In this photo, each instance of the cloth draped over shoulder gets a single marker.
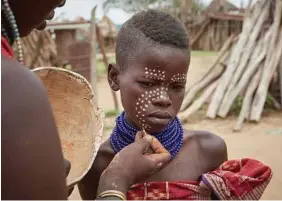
(244, 179)
(6, 49)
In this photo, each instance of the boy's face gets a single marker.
(152, 86)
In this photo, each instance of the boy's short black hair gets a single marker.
(152, 27)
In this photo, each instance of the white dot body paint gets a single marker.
(179, 78)
(146, 98)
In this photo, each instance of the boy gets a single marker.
(152, 60)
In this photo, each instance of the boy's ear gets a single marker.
(113, 74)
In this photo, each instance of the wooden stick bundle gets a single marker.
(251, 64)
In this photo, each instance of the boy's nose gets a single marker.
(162, 100)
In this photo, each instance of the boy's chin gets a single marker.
(157, 125)
(156, 129)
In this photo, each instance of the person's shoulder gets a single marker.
(30, 135)
(212, 146)
(13, 71)
(20, 87)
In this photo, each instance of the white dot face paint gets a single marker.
(179, 78)
(154, 74)
(147, 98)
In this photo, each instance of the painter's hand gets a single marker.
(131, 165)
(139, 135)
(67, 169)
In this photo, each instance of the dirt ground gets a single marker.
(261, 141)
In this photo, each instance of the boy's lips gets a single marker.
(160, 114)
(159, 118)
(158, 121)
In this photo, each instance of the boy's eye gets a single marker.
(147, 84)
(178, 87)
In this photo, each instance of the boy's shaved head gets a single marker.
(153, 58)
(150, 27)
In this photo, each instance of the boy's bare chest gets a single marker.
(188, 165)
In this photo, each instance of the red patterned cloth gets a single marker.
(6, 49)
(244, 179)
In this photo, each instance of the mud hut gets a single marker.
(39, 49)
(109, 32)
(66, 35)
(220, 20)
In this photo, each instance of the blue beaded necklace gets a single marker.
(124, 134)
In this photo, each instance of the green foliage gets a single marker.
(108, 128)
(111, 113)
(202, 53)
(269, 102)
(237, 105)
(101, 69)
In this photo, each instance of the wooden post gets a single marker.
(199, 34)
(247, 102)
(100, 41)
(273, 58)
(209, 76)
(280, 72)
(237, 53)
(93, 52)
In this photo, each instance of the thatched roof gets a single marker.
(107, 27)
(220, 6)
(224, 10)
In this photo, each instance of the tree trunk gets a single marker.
(280, 76)
(259, 54)
(204, 26)
(268, 72)
(198, 103)
(248, 51)
(272, 60)
(247, 102)
(106, 62)
(198, 87)
(208, 77)
(237, 52)
(93, 53)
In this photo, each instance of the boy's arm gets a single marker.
(215, 149)
(89, 184)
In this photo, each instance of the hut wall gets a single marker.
(79, 58)
(39, 49)
(215, 34)
(64, 38)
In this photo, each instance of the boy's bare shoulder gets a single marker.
(205, 137)
(105, 154)
(212, 146)
(103, 158)
(106, 148)
(89, 184)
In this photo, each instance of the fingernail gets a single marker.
(148, 138)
